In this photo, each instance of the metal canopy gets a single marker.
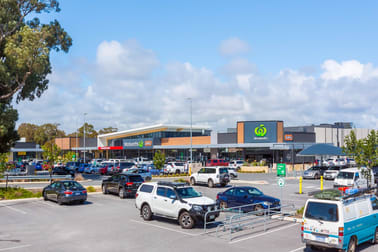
(322, 150)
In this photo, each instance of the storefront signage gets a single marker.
(288, 137)
(138, 143)
(260, 132)
(206, 150)
(111, 148)
(21, 153)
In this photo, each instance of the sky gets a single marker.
(136, 63)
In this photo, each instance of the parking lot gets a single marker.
(108, 223)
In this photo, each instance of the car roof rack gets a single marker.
(172, 184)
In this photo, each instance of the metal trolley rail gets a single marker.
(244, 217)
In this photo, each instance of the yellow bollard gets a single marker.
(321, 183)
(300, 185)
(190, 170)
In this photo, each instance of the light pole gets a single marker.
(76, 143)
(191, 132)
(85, 149)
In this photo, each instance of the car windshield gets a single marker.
(179, 164)
(254, 192)
(345, 175)
(136, 178)
(72, 185)
(223, 170)
(239, 162)
(187, 192)
(126, 165)
(334, 168)
(322, 211)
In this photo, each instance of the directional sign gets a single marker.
(281, 182)
(281, 170)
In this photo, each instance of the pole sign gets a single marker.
(281, 182)
(281, 170)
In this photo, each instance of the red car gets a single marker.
(217, 162)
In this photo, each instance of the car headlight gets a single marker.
(266, 203)
(197, 208)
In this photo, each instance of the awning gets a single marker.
(322, 150)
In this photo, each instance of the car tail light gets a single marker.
(84, 191)
(341, 231)
(129, 183)
(118, 167)
(217, 196)
(136, 195)
(67, 192)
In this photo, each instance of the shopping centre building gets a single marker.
(249, 140)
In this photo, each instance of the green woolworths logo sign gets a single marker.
(140, 144)
(260, 131)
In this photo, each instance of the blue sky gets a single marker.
(219, 52)
(282, 34)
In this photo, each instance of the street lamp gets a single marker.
(85, 149)
(191, 132)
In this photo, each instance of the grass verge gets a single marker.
(18, 193)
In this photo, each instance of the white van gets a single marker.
(341, 223)
(354, 178)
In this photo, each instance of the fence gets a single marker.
(36, 177)
(238, 218)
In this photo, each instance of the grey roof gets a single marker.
(322, 150)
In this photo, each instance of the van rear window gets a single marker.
(146, 188)
(322, 211)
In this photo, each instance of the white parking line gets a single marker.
(265, 233)
(14, 209)
(165, 228)
(298, 249)
(44, 203)
(18, 247)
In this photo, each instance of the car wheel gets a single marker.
(352, 245)
(81, 201)
(223, 205)
(186, 221)
(375, 239)
(104, 189)
(92, 172)
(45, 196)
(146, 212)
(317, 176)
(210, 183)
(177, 171)
(122, 193)
(148, 178)
(259, 209)
(60, 201)
(192, 181)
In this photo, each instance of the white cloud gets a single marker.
(122, 91)
(233, 47)
(351, 69)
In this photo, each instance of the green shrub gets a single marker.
(17, 193)
(300, 211)
(91, 189)
(180, 180)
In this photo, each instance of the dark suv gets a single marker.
(375, 172)
(125, 185)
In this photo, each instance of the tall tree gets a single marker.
(47, 132)
(107, 130)
(89, 131)
(27, 130)
(25, 48)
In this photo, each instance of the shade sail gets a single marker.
(322, 150)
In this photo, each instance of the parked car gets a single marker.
(333, 171)
(350, 162)
(109, 168)
(82, 167)
(150, 168)
(353, 178)
(65, 192)
(93, 168)
(125, 185)
(236, 164)
(174, 201)
(247, 195)
(62, 170)
(375, 173)
(338, 222)
(74, 166)
(211, 176)
(146, 175)
(314, 172)
(233, 173)
(124, 166)
(217, 162)
(174, 168)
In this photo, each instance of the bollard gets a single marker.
(300, 184)
(321, 183)
(190, 170)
